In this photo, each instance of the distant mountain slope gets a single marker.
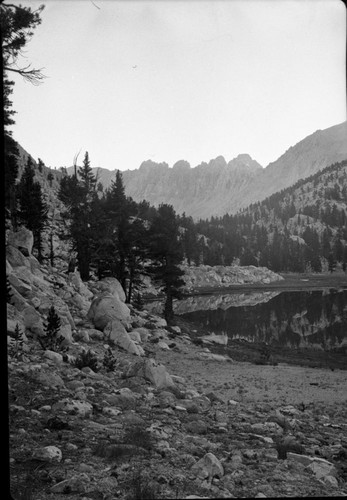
(218, 187)
(318, 150)
(301, 228)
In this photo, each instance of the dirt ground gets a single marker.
(247, 382)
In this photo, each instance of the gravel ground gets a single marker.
(248, 382)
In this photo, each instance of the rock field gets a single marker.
(159, 417)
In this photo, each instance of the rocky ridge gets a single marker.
(142, 424)
(219, 187)
(204, 276)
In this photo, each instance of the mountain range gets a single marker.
(219, 187)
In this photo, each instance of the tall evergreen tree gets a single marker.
(87, 178)
(33, 210)
(11, 156)
(166, 251)
(80, 198)
(119, 210)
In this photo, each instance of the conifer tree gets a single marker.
(87, 178)
(52, 341)
(50, 178)
(123, 235)
(33, 210)
(166, 251)
(9, 294)
(16, 348)
(81, 201)
(11, 156)
(331, 262)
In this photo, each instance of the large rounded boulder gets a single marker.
(112, 286)
(105, 308)
(22, 239)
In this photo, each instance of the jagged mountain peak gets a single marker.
(148, 164)
(217, 187)
(181, 165)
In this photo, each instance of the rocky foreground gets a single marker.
(129, 407)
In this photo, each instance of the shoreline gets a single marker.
(291, 283)
(255, 353)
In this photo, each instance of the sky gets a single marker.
(166, 80)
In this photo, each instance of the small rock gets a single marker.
(208, 467)
(48, 454)
(322, 468)
(85, 468)
(110, 411)
(74, 406)
(76, 484)
(331, 481)
(54, 356)
(46, 408)
(71, 447)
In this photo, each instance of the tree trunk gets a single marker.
(168, 310)
(83, 264)
(130, 288)
(51, 253)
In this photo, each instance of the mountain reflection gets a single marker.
(292, 319)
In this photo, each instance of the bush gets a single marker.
(113, 451)
(141, 487)
(138, 436)
(109, 361)
(283, 446)
(87, 359)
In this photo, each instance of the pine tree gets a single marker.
(138, 302)
(81, 201)
(331, 262)
(166, 251)
(87, 178)
(40, 165)
(16, 348)
(51, 328)
(11, 156)
(9, 293)
(123, 235)
(33, 212)
(50, 178)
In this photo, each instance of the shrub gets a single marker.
(87, 359)
(141, 487)
(283, 446)
(138, 436)
(113, 451)
(109, 361)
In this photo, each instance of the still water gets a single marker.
(302, 319)
(292, 319)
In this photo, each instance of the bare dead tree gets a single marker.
(75, 163)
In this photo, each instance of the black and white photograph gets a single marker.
(175, 233)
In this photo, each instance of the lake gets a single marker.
(291, 319)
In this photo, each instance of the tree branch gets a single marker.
(33, 75)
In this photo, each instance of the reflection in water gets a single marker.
(292, 319)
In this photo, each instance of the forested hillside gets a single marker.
(301, 228)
